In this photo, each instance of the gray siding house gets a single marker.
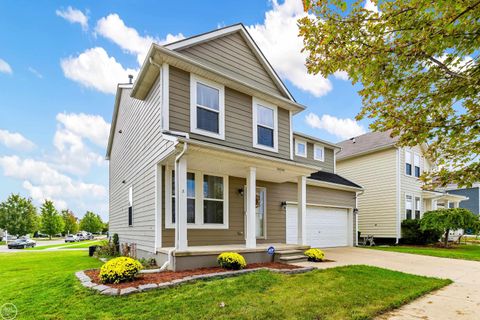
(204, 159)
(473, 195)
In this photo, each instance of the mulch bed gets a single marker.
(167, 276)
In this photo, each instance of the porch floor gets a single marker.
(240, 248)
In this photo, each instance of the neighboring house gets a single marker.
(390, 176)
(2, 234)
(473, 195)
(203, 159)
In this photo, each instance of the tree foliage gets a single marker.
(51, 221)
(18, 215)
(91, 222)
(417, 62)
(449, 219)
(70, 222)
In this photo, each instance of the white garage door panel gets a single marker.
(326, 227)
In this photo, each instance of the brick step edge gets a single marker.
(107, 290)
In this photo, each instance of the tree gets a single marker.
(91, 222)
(18, 215)
(418, 64)
(105, 228)
(51, 220)
(449, 219)
(70, 222)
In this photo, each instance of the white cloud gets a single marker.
(74, 156)
(370, 6)
(35, 72)
(95, 69)
(278, 39)
(342, 128)
(14, 140)
(113, 28)
(74, 16)
(43, 182)
(341, 75)
(5, 67)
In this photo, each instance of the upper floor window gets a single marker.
(319, 153)
(207, 107)
(300, 148)
(408, 163)
(408, 206)
(265, 128)
(416, 165)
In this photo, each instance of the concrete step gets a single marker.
(292, 259)
(289, 252)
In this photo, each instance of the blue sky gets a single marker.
(60, 60)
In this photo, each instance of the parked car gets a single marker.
(90, 236)
(22, 243)
(71, 238)
(81, 236)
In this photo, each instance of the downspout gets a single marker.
(357, 194)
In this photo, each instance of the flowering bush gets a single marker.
(315, 255)
(231, 260)
(119, 270)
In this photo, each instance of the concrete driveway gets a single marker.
(460, 300)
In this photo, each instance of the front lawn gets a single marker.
(465, 252)
(42, 285)
(67, 245)
(84, 244)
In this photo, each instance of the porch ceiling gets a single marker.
(235, 164)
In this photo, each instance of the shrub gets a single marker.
(231, 260)
(315, 255)
(106, 249)
(120, 269)
(413, 234)
(148, 263)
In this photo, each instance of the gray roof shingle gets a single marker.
(364, 143)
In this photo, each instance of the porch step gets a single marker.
(293, 259)
(290, 256)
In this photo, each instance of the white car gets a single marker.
(71, 238)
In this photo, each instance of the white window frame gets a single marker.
(415, 154)
(415, 205)
(130, 204)
(315, 147)
(255, 102)
(199, 224)
(194, 79)
(409, 161)
(304, 142)
(412, 198)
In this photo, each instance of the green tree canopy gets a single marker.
(18, 215)
(91, 222)
(70, 222)
(51, 220)
(417, 62)
(449, 219)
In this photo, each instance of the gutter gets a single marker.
(355, 212)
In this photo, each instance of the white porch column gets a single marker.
(181, 205)
(302, 210)
(251, 240)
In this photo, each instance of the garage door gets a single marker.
(326, 227)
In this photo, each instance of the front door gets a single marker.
(260, 212)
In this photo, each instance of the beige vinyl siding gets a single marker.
(275, 217)
(231, 55)
(326, 165)
(134, 155)
(411, 185)
(377, 173)
(238, 117)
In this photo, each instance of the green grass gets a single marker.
(2, 243)
(68, 245)
(465, 252)
(85, 244)
(42, 285)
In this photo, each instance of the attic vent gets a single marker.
(130, 78)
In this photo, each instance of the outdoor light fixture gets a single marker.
(240, 192)
(120, 131)
(284, 205)
(355, 211)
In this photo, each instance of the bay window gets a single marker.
(207, 107)
(207, 200)
(265, 128)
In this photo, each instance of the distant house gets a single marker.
(473, 195)
(390, 176)
(204, 159)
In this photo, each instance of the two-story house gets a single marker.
(472, 193)
(204, 159)
(390, 176)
